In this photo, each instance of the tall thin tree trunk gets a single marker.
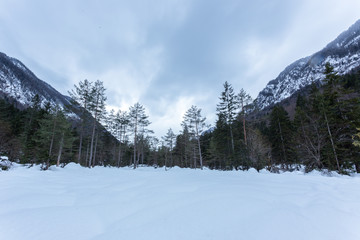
(138, 158)
(96, 141)
(242, 107)
(282, 141)
(198, 140)
(195, 165)
(60, 149)
(232, 139)
(92, 143)
(171, 159)
(51, 144)
(166, 156)
(87, 153)
(135, 143)
(80, 144)
(82, 130)
(200, 155)
(119, 156)
(244, 130)
(142, 153)
(332, 142)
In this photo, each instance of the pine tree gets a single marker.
(82, 96)
(138, 122)
(244, 100)
(196, 124)
(169, 140)
(154, 147)
(97, 109)
(122, 122)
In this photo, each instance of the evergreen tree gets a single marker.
(122, 122)
(310, 135)
(97, 110)
(34, 114)
(154, 147)
(183, 147)
(281, 137)
(196, 124)
(169, 140)
(219, 149)
(226, 109)
(82, 96)
(244, 100)
(340, 108)
(138, 121)
(327, 104)
(54, 137)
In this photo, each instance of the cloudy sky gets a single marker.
(168, 54)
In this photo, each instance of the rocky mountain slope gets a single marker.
(343, 54)
(18, 85)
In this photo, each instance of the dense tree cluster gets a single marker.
(323, 133)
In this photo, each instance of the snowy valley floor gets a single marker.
(109, 203)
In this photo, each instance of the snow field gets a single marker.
(110, 203)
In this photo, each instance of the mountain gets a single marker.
(343, 54)
(18, 85)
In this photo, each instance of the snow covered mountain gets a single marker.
(343, 54)
(18, 85)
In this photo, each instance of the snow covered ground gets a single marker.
(109, 203)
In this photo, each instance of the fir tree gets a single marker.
(227, 110)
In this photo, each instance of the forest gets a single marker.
(322, 133)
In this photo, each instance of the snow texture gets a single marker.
(343, 54)
(110, 203)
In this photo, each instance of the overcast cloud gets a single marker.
(168, 54)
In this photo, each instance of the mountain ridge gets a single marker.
(18, 84)
(343, 54)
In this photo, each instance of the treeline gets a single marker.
(321, 134)
(38, 134)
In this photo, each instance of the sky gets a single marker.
(168, 54)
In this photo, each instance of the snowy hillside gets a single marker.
(109, 203)
(19, 84)
(343, 54)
